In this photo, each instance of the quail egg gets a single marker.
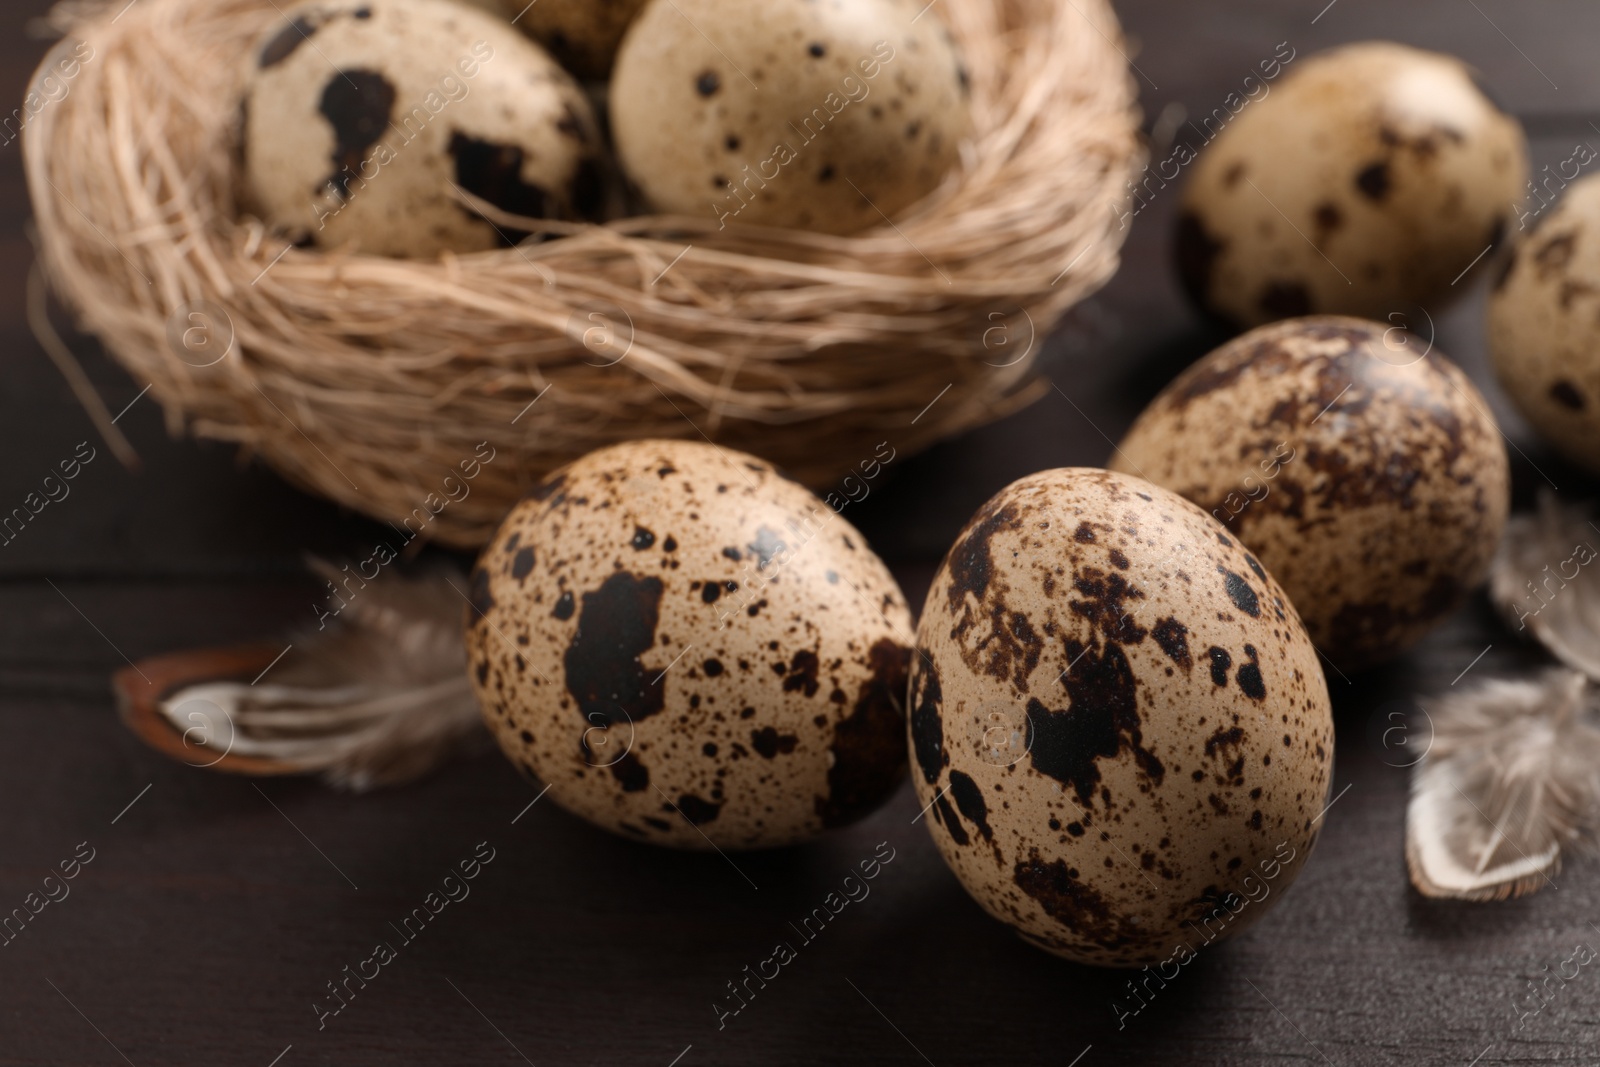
(1357, 462)
(1544, 326)
(362, 115)
(1363, 183)
(691, 649)
(582, 34)
(824, 117)
(1120, 729)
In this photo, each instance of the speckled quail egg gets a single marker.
(1121, 730)
(691, 649)
(360, 115)
(1356, 461)
(1544, 326)
(1364, 182)
(582, 34)
(825, 117)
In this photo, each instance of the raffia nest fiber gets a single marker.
(372, 380)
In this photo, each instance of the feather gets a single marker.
(378, 698)
(1511, 782)
(1542, 583)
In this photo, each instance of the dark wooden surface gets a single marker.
(208, 922)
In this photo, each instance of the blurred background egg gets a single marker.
(1363, 182)
(1358, 463)
(826, 117)
(1544, 326)
(361, 116)
(690, 649)
(582, 35)
(1120, 730)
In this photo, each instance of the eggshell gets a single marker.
(1363, 182)
(690, 649)
(582, 34)
(827, 117)
(360, 115)
(1544, 326)
(1358, 463)
(1121, 732)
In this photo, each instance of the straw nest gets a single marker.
(373, 381)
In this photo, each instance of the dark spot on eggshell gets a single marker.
(802, 673)
(1566, 394)
(869, 749)
(522, 563)
(1220, 662)
(1239, 591)
(1100, 721)
(642, 539)
(565, 606)
(1196, 251)
(1073, 903)
(712, 667)
(707, 83)
(492, 171)
(285, 41)
(633, 775)
(478, 595)
(1249, 676)
(696, 810)
(1221, 739)
(616, 626)
(768, 742)
(1105, 604)
(1328, 217)
(947, 817)
(927, 726)
(969, 801)
(1373, 180)
(1255, 565)
(357, 104)
(1173, 637)
(969, 565)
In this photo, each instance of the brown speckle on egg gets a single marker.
(646, 672)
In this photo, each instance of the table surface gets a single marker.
(216, 909)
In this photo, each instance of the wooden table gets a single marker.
(216, 910)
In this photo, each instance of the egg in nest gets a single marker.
(691, 649)
(362, 117)
(1363, 183)
(820, 116)
(1544, 326)
(1120, 729)
(1358, 463)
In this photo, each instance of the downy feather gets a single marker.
(1511, 782)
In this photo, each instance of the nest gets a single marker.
(381, 383)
